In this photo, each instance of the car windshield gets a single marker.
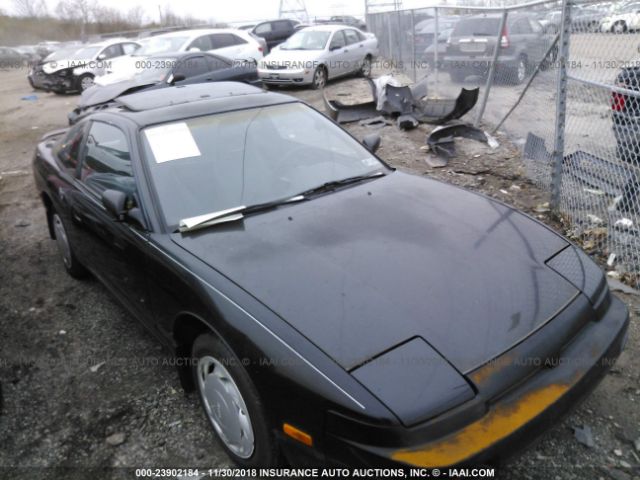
(477, 27)
(87, 52)
(161, 45)
(307, 40)
(221, 161)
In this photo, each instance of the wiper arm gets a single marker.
(231, 214)
(325, 187)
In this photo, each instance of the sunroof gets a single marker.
(165, 97)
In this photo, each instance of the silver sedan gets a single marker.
(317, 54)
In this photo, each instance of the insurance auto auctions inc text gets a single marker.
(351, 473)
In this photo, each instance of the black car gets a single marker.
(167, 70)
(324, 305)
(473, 41)
(625, 105)
(348, 20)
(275, 32)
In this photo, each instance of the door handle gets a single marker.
(361, 46)
(346, 50)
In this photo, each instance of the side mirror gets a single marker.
(176, 78)
(102, 56)
(114, 201)
(334, 47)
(371, 142)
(194, 49)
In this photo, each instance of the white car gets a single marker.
(77, 72)
(233, 44)
(316, 54)
(624, 19)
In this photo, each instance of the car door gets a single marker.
(113, 250)
(266, 31)
(193, 68)
(355, 49)
(338, 54)
(200, 44)
(282, 30)
(229, 45)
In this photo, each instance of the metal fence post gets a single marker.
(561, 105)
(435, 44)
(492, 69)
(413, 44)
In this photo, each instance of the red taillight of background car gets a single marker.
(504, 38)
(618, 101)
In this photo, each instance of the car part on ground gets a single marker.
(336, 380)
(441, 140)
(391, 99)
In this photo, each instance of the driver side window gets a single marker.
(107, 161)
(338, 40)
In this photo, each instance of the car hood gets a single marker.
(366, 268)
(98, 94)
(282, 57)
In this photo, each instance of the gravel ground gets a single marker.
(85, 386)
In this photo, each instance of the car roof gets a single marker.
(169, 104)
(327, 27)
(198, 32)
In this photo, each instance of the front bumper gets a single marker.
(302, 76)
(496, 426)
(59, 83)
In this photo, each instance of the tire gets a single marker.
(619, 27)
(518, 74)
(85, 81)
(221, 380)
(365, 70)
(69, 260)
(457, 76)
(320, 77)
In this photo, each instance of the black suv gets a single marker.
(470, 49)
(275, 31)
(626, 115)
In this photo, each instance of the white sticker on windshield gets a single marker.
(370, 162)
(172, 142)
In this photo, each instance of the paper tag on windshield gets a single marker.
(172, 142)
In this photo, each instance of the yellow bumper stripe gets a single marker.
(496, 425)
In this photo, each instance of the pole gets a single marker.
(492, 69)
(561, 106)
(435, 43)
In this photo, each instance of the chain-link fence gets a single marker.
(562, 78)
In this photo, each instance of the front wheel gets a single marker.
(319, 78)
(232, 405)
(85, 81)
(619, 27)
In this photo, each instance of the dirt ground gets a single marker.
(76, 369)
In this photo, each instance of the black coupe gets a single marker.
(325, 306)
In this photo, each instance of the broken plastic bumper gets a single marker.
(495, 428)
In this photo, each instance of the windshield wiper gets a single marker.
(231, 214)
(326, 187)
(238, 213)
